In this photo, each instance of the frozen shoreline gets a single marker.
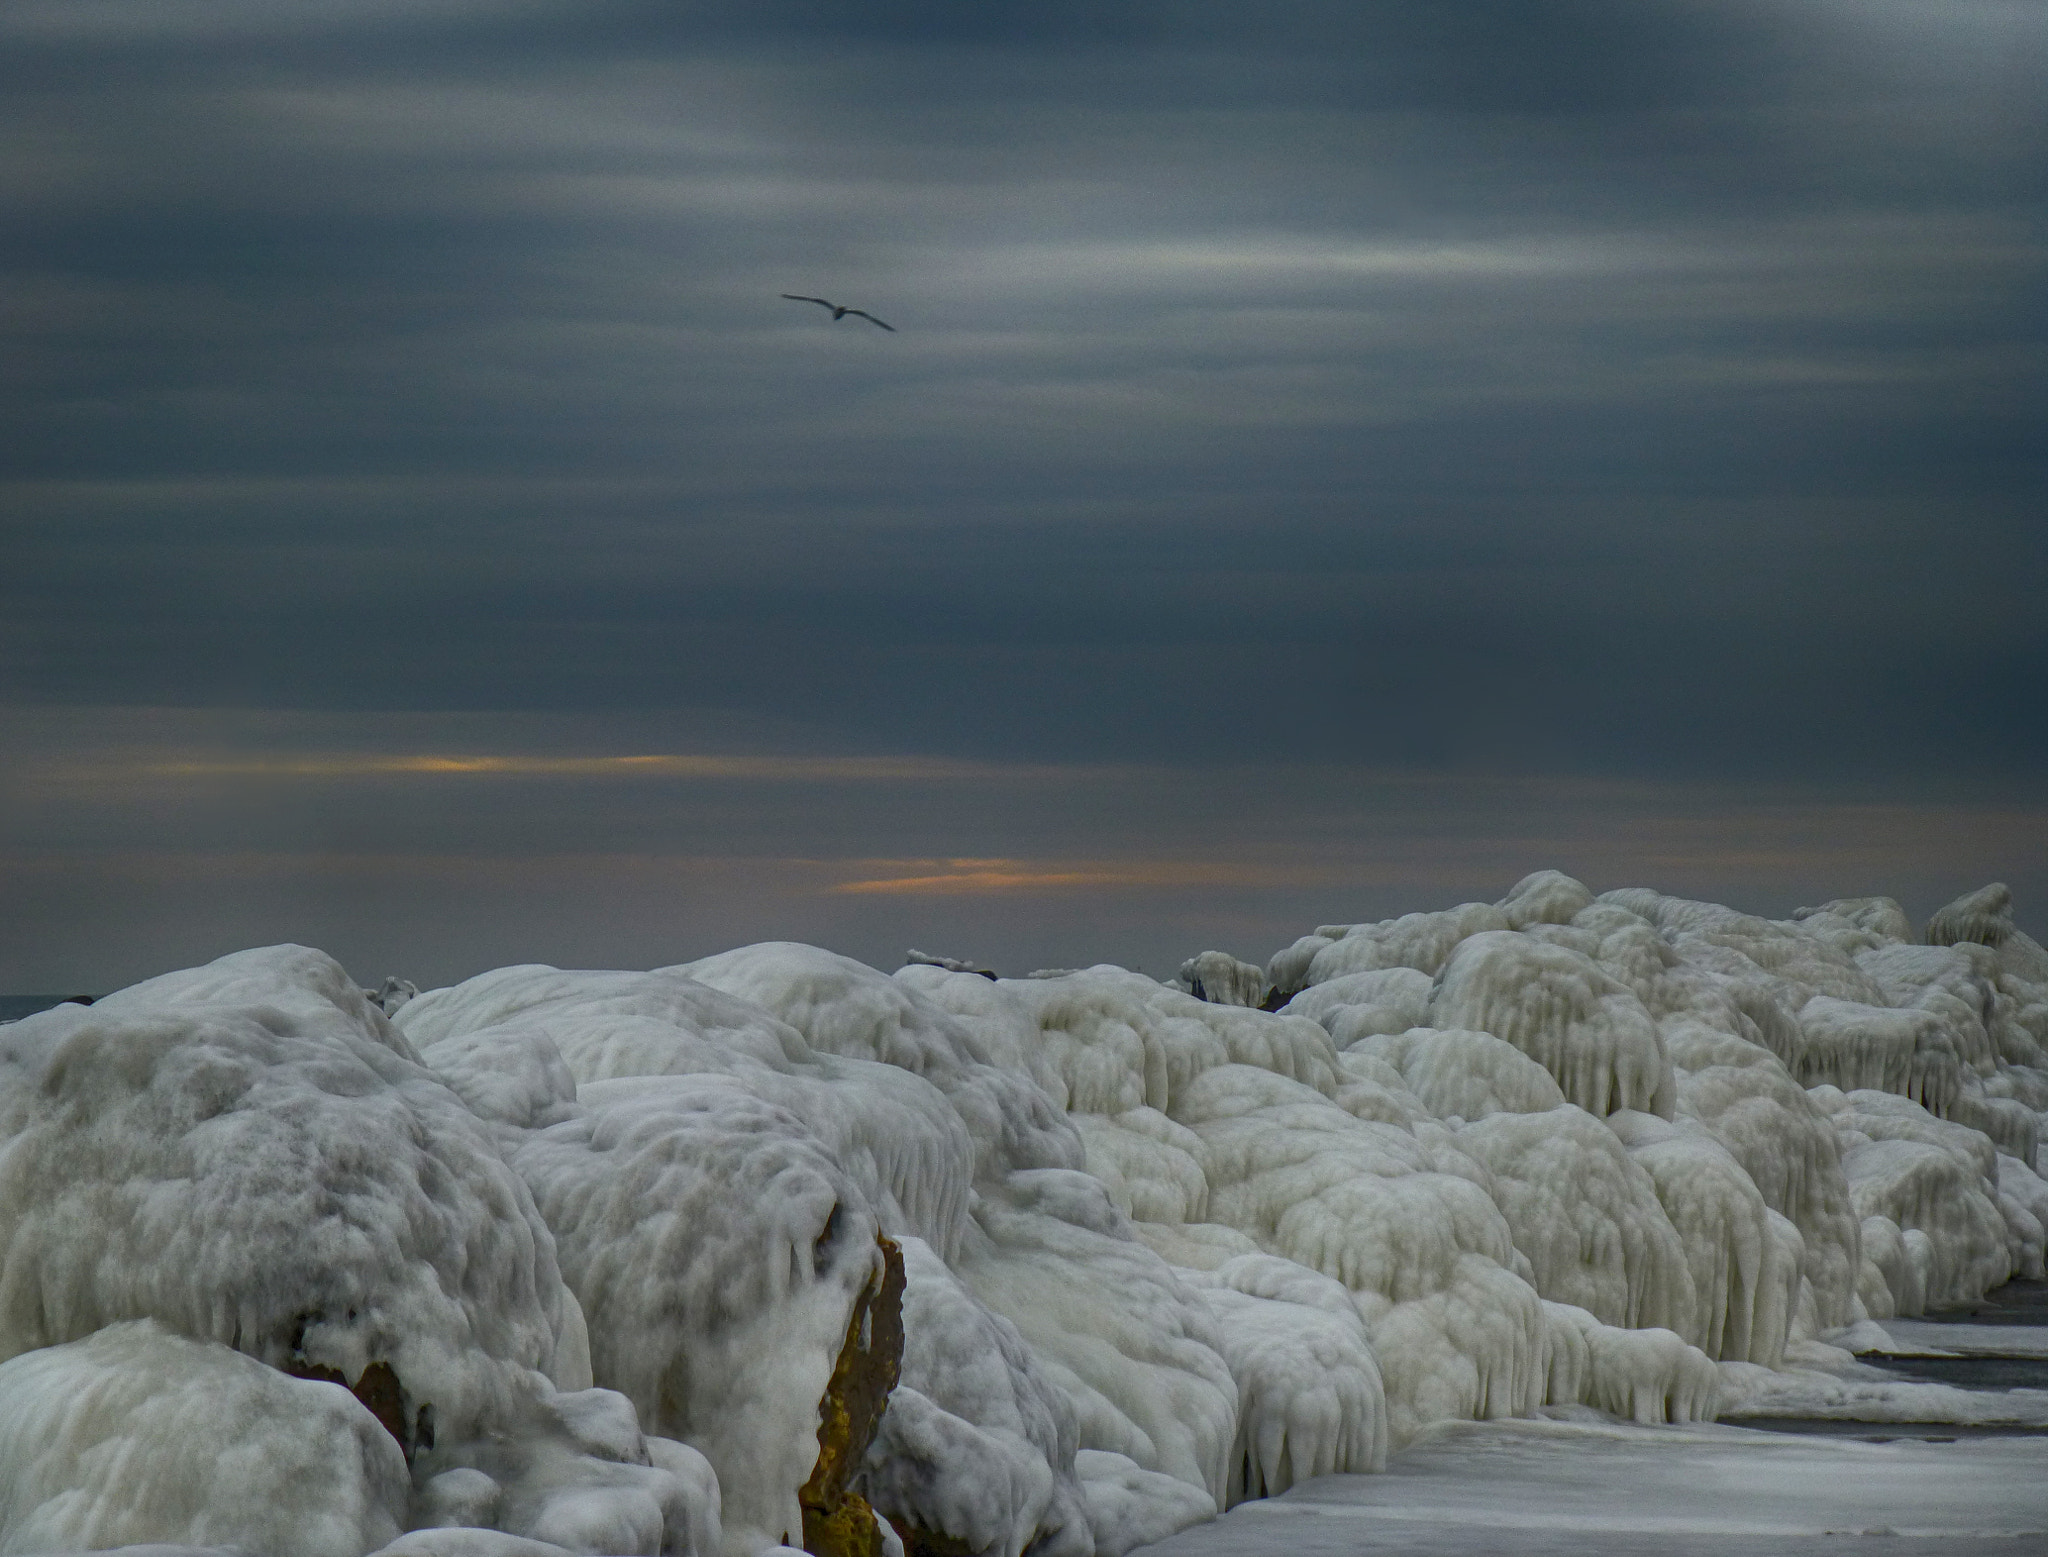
(711, 1258)
(1534, 1489)
(1926, 1487)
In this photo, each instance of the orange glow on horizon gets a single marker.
(960, 877)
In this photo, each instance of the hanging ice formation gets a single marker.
(776, 1248)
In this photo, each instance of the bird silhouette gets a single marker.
(840, 313)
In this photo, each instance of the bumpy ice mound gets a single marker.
(777, 1248)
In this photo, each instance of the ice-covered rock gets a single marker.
(1411, 1228)
(135, 1435)
(1858, 1047)
(1460, 1074)
(2023, 1201)
(1800, 961)
(1310, 1398)
(899, 1138)
(1745, 1258)
(718, 1251)
(511, 1075)
(1218, 976)
(754, 1249)
(1420, 941)
(1587, 1215)
(1648, 1376)
(1544, 897)
(1361, 1005)
(1130, 1506)
(1115, 1040)
(1133, 1348)
(1559, 1007)
(307, 985)
(1985, 918)
(977, 1445)
(578, 1475)
(1927, 1193)
(1154, 1168)
(1741, 1094)
(917, 958)
(1287, 969)
(1858, 923)
(845, 1008)
(280, 1177)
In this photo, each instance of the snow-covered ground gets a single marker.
(1520, 1489)
(707, 1258)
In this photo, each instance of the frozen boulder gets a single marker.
(279, 1177)
(977, 1445)
(135, 1435)
(1565, 1012)
(1801, 961)
(576, 1475)
(1362, 1005)
(1129, 1506)
(1742, 1095)
(1587, 1216)
(1858, 923)
(511, 1075)
(1420, 941)
(1460, 1074)
(1116, 1041)
(1934, 1184)
(846, 1008)
(1287, 969)
(1745, 1258)
(1859, 1047)
(1310, 1398)
(1544, 897)
(893, 1132)
(1108, 1322)
(307, 985)
(719, 1253)
(1219, 977)
(1649, 1376)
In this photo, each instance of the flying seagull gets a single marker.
(840, 313)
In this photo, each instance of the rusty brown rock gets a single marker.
(838, 1521)
(379, 1390)
(383, 1396)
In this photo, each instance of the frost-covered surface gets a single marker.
(111, 1441)
(1568, 1488)
(281, 1177)
(1821, 1397)
(562, 1261)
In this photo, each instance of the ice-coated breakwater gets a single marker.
(777, 1247)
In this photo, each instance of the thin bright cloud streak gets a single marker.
(665, 765)
(977, 877)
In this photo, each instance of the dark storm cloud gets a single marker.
(1603, 388)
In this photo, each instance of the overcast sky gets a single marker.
(1331, 458)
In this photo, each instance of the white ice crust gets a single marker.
(115, 1440)
(1163, 1253)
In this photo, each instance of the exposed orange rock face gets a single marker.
(838, 1521)
(384, 1397)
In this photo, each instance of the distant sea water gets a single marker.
(14, 1007)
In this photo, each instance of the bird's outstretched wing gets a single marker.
(862, 313)
(794, 298)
